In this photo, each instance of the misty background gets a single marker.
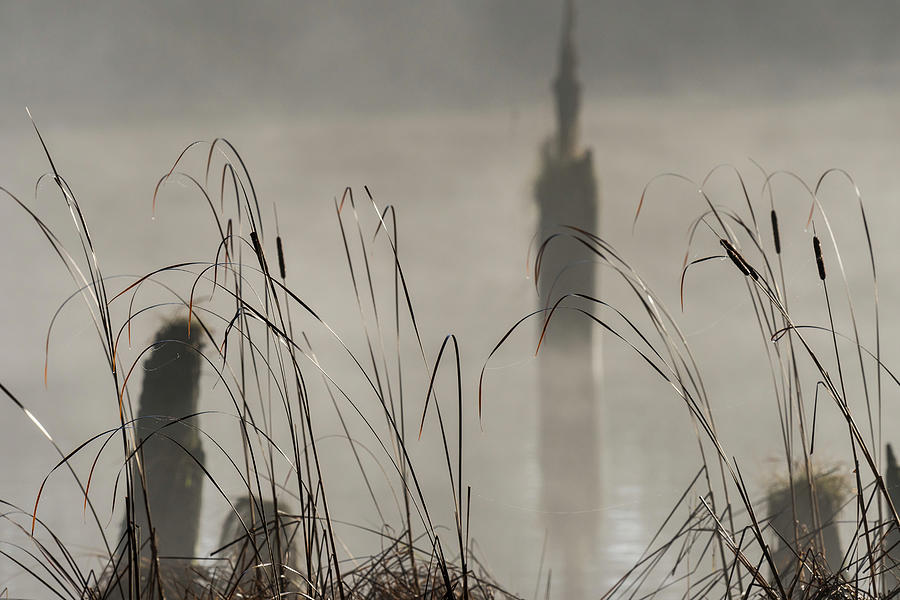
(440, 108)
(102, 62)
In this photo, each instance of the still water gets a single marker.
(462, 186)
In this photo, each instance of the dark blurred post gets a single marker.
(174, 480)
(804, 520)
(566, 193)
(892, 534)
(257, 540)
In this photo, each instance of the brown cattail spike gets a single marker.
(753, 272)
(280, 256)
(257, 247)
(735, 257)
(775, 235)
(817, 248)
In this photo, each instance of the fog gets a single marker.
(103, 62)
(440, 109)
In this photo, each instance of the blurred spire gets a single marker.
(566, 86)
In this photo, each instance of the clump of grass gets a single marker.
(393, 575)
(253, 332)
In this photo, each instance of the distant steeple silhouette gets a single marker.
(566, 189)
(566, 194)
(566, 87)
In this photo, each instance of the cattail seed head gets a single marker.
(280, 256)
(735, 257)
(775, 235)
(256, 245)
(820, 262)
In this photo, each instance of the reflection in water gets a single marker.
(624, 532)
(566, 192)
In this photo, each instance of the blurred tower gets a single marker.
(566, 193)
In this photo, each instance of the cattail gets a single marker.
(280, 256)
(735, 257)
(753, 272)
(775, 234)
(257, 247)
(817, 248)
